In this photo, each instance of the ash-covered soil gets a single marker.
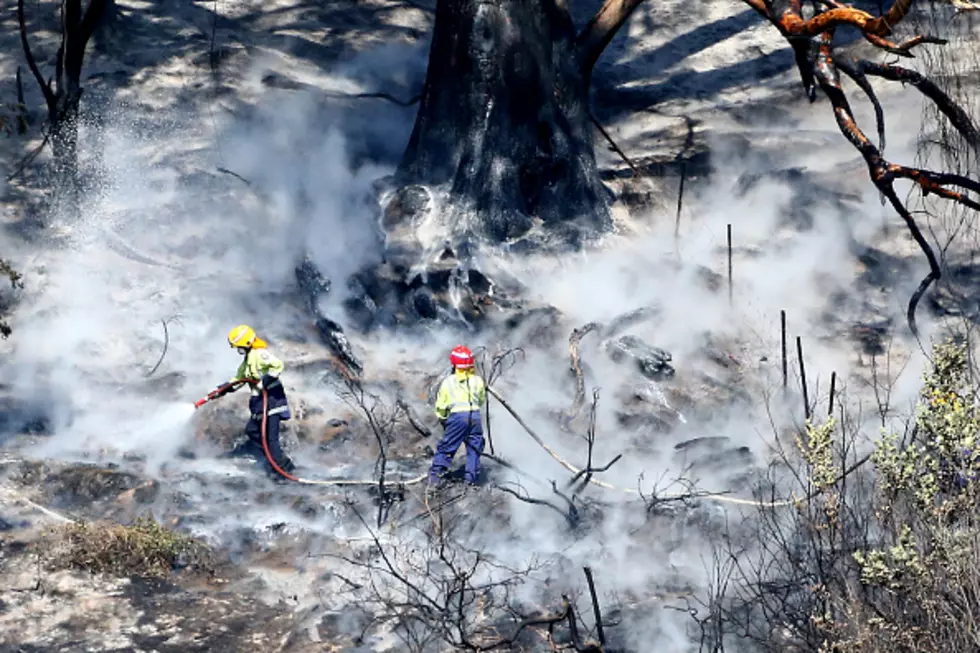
(230, 147)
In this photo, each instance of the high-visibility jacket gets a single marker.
(463, 391)
(261, 365)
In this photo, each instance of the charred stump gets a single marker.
(504, 124)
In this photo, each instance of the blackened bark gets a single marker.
(503, 121)
(63, 100)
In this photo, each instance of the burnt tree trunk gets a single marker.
(64, 98)
(504, 121)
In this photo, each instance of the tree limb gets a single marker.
(91, 19)
(166, 344)
(856, 72)
(234, 174)
(49, 98)
(576, 366)
(595, 605)
(571, 515)
(615, 147)
(599, 31)
(959, 118)
(26, 161)
(379, 96)
(788, 16)
(884, 173)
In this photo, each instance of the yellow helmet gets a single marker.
(241, 336)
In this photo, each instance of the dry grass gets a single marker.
(144, 548)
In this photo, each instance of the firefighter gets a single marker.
(461, 395)
(261, 370)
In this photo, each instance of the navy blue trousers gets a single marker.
(461, 428)
(254, 432)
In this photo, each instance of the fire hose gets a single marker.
(723, 498)
(305, 481)
(264, 426)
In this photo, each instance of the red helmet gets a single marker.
(461, 357)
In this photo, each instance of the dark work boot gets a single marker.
(434, 484)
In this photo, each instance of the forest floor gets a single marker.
(179, 95)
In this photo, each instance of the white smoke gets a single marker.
(168, 235)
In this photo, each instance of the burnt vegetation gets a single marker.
(436, 592)
(504, 125)
(838, 540)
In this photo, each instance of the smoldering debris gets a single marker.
(672, 405)
(313, 285)
(652, 362)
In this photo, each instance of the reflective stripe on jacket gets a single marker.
(461, 392)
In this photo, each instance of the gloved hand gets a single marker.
(223, 389)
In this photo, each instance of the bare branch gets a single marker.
(576, 366)
(788, 18)
(615, 147)
(26, 161)
(166, 344)
(590, 438)
(595, 606)
(234, 174)
(571, 516)
(31, 63)
(379, 96)
(959, 118)
(855, 71)
(90, 20)
(599, 31)
(413, 419)
(884, 173)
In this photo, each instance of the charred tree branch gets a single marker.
(882, 172)
(163, 354)
(381, 95)
(959, 118)
(90, 20)
(26, 161)
(855, 71)
(234, 174)
(595, 606)
(589, 469)
(615, 147)
(49, 97)
(413, 419)
(788, 17)
(576, 367)
(599, 31)
(571, 516)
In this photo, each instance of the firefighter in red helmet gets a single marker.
(461, 396)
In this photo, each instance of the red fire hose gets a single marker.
(268, 454)
(265, 440)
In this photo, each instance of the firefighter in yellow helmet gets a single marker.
(261, 370)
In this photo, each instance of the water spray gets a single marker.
(226, 388)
